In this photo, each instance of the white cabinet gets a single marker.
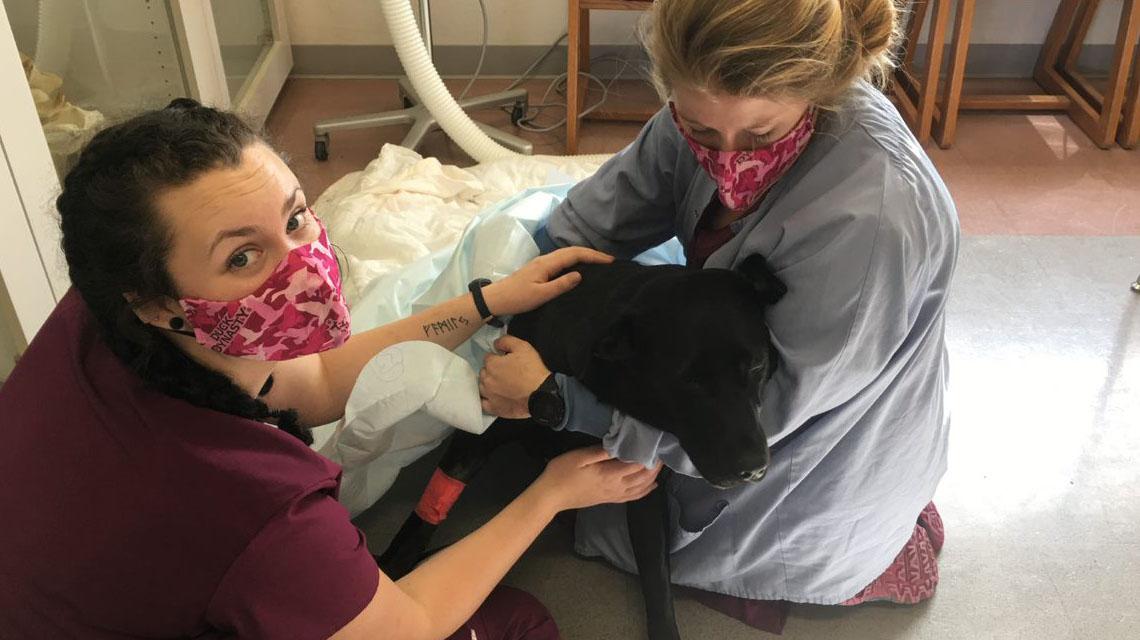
(237, 52)
(67, 66)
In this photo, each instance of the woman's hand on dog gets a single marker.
(538, 281)
(507, 380)
(587, 477)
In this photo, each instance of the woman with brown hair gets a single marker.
(155, 478)
(775, 140)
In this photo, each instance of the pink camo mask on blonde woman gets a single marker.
(743, 177)
(299, 310)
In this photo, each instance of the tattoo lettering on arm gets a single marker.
(445, 326)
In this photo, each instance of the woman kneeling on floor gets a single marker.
(775, 141)
(155, 478)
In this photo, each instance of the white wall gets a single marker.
(522, 22)
(1027, 21)
(512, 22)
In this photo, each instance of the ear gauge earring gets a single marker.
(178, 325)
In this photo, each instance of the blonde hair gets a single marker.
(813, 50)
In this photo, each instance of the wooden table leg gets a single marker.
(574, 46)
(946, 127)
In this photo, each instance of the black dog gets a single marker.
(685, 350)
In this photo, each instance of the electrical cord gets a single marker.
(558, 84)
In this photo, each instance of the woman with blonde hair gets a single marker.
(775, 140)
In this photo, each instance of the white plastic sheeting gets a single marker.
(409, 397)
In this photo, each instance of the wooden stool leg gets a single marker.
(917, 19)
(1054, 42)
(928, 92)
(574, 54)
(1130, 125)
(1100, 122)
(904, 87)
(946, 127)
(584, 57)
(1117, 89)
(1071, 50)
(1130, 131)
(1071, 53)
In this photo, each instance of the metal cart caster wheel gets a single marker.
(321, 149)
(518, 112)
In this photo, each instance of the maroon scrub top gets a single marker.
(125, 513)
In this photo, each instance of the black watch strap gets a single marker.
(476, 289)
(546, 405)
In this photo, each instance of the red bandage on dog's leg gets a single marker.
(441, 493)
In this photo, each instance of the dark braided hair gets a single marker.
(115, 242)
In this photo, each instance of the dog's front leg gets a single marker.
(648, 521)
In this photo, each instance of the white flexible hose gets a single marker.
(429, 86)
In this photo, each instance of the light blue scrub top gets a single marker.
(865, 235)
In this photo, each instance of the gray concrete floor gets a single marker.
(1042, 500)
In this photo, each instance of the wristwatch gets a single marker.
(546, 405)
(476, 289)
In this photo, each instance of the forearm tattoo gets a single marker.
(445, 326)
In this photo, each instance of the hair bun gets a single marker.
(186, 104)
(873, 24)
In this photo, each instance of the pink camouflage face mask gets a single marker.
(743, 177)
(299, 310)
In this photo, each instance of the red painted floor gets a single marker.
(1009, 174)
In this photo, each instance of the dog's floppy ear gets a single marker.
(763, 278)
(616, 342)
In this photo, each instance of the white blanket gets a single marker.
(402, 206)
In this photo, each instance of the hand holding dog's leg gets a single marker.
(587, 477)
(452, 583)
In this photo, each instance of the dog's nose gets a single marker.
(754, 475)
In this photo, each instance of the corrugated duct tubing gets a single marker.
(431, 90)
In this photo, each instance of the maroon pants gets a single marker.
(509, 614)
